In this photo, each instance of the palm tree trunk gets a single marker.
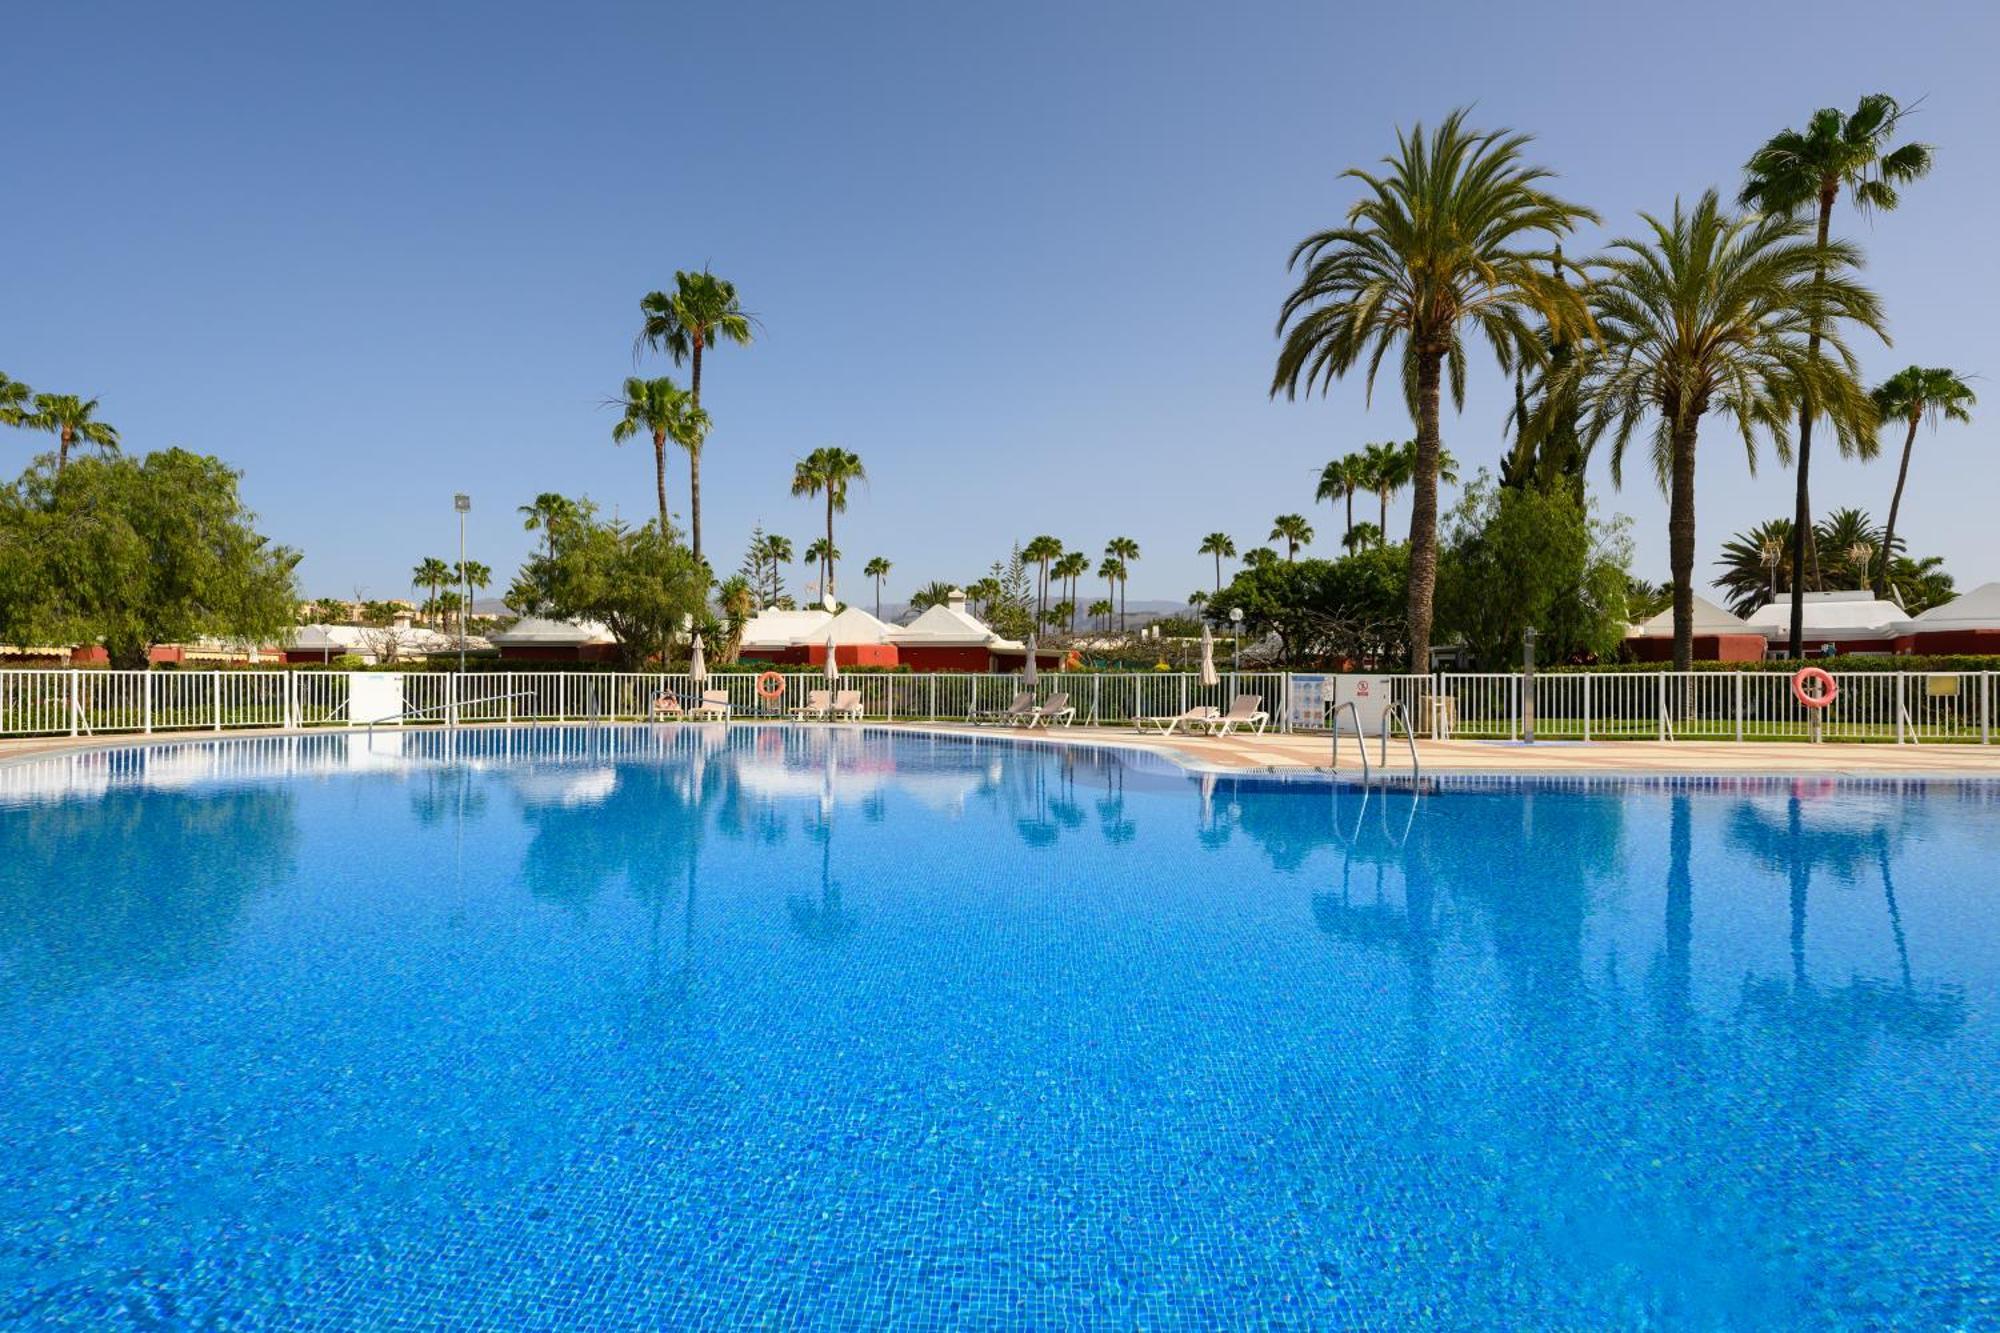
(63, 439)
(826, 588)
(1347, 538)
(1895, 506)
(660, 476)
(694, 457)
(1680, 544)
(1802, 512)
(1423, 510)
(1218, 571)
(1383, 496)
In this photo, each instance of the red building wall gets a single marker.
(1707, 648)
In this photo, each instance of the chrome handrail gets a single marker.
(1396, 710)
(1360, 738)
(448, 706)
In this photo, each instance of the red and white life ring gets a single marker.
(770, 685)
(1829, 688)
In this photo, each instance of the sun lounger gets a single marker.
(1024, 704)
(1166, 726)
(714, 704)
(1050, 710)
(847, 704)
(1246, 710)
(666, 708)
(816, 704)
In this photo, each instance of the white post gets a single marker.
(1986, 708)
(1663, 705)
(508, 686)
(1586, 707)
(451, 690)
(1738, 676)
(75, 710)
(291, 700)
(146, 698)
(216, 676)
(1902, 704)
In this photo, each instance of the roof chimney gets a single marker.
(956, 600)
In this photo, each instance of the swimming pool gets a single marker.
(826, 1027)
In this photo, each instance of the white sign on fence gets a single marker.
(1370, 695)
(1306, 699)
(374, 696)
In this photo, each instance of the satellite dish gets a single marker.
(829, 603)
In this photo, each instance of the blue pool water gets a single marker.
(829, 1028)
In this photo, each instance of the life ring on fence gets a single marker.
(1829, 688)
(770, 685)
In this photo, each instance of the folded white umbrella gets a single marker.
(1028, 671)
(697, 667)
(1208, 672)
(832, 660)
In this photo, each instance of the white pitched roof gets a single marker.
(1708, 619)
(535, 631)
(949, 625)
(773, 628)
(1978, 609)
(1858, 614)
(853, 625)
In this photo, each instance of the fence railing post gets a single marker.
(1738, 677)
(75, 708)
(1986, 708)
(1662, 712)
(1586, 706)
(215, 678)
(291, 700)
(146, 698)
(1902, 704)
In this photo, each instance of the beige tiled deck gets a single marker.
(1248, 752)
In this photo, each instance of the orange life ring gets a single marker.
(1829, 688)
(770, 685)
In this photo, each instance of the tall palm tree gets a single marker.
(1126, 552)
(1071, 567)
(1042, 552)
(699, 313)
(661, 409)
(1361, 536)
(1387, 468)
(828, 471)
(1439, 241)
(777, 554)
(1293, 531)
(72, 420)
(1797, 170)
(432, 574)
(1712, 313)
(1218, 544)
(545, 514)
(1909, 396)
(1100, 611)
(1853, 541)
(877, 568)
(1111, 570)
(1339, 480)
(13, 395)
(473, 576)
(931, 594)
(823, 553)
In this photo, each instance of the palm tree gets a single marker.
(1125, 551)
(1388, 468)
(1800, 169)
(431, 573)
(877, 568)
(548, 511)
(930, 595)
(1711, 313)
(473, 576)
(72, 420)
(1100, 611)
(1437, 242)
(1855, 541)
(1911, 395)
(737, 596)
(1339, 480)
(700, 312)
(1218, 544)
(1042, 551)
(828, 471)
(1755, 565)
(822, 553)
(665, 411)
(1111, 570)
(1293, 531)
(1071, 567)
(13, 394)
(1361, 536)
(1259, 556)
(777, 554)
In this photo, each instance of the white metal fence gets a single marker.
(1903, 707)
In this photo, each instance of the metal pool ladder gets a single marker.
(1396, 712)
(1360, 738)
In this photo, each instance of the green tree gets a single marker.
(1920, 584)
(1362, 536)
(431, 574)
(661, 409)
(1797, 170)
(1111, 570)
(1852, 547)
(930, 595)
(822, 554)
(700, 312)
(1516, 559)
(1293, 531)
(877, 568)
(1218, 544)
(828, 471)
(1042, 552)
(737, 596)
(1339, 480)
(1756, 565)
(14, 396)
(474, 576)
(1101, 611)
(1708, 313)
(1438, 242)
(1259, 556)
(136, 552)
(777, 554)
(72, 420)
(1910, 396)
(1125, 552)
(543, 515)
(1331, 612)
(1072, 568)
(638, 583)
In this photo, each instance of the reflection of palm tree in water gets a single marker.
(825, 920)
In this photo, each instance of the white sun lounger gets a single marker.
(714, 704)
(1166, 726)
(816, 704)
(1055, 707)
(847, 704)
(1246, 710)
(666, 708)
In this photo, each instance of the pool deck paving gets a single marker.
(1245, 751)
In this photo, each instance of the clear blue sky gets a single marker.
(1024, 259)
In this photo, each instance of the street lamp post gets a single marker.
(1236, 635)
(462, 503)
